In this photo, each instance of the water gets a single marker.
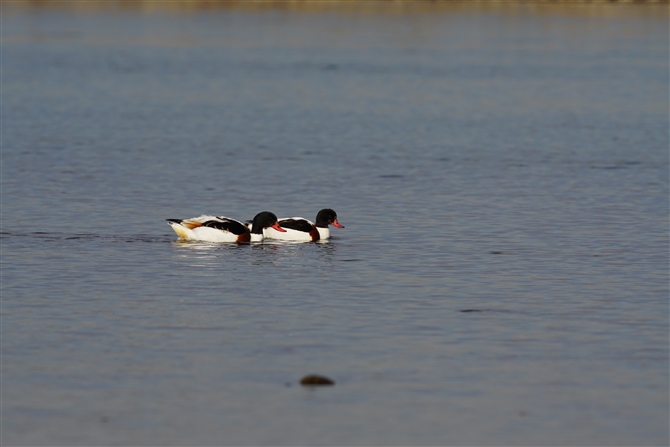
(502, 173)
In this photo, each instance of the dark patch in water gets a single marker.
(87, 237)
(496, 252)
(618, 165)
(392, 176)
(608, 167)
(316, 380)
(350, 260)
(484, 310)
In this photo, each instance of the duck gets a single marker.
(224, 229)
(301, 229)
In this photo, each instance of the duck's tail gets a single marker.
(178, 228)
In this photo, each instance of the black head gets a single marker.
(264, 219)
(327, 217)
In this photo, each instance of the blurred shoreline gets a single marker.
(569, 7)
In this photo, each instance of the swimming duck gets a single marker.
(223, 229)
(301, 229)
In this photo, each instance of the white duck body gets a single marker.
(324, 233)
(223, 229)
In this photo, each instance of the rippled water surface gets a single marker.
(502, 174)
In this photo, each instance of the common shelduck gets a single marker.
(223, 229)
(301, 229)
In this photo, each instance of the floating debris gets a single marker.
(486, 310)
(314, 380)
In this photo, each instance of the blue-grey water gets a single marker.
(502, 173)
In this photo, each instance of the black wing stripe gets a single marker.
(298, 225)
(226, 225)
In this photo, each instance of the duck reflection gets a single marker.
(289, 254)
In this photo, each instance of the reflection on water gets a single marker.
(201, 245)
(290, 254)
